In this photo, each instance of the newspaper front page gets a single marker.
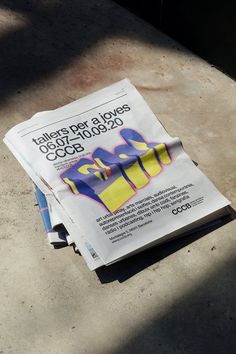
(114, 174)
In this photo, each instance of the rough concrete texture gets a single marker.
(177, 298)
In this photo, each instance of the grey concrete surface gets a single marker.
(177, 298)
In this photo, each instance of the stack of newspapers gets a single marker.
(108, 177)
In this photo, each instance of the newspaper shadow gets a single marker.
(127, 268)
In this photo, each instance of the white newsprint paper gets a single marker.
(117, 180)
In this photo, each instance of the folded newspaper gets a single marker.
(112, 175)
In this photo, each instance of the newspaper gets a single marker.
(116, 179)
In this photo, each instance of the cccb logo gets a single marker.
(181, 209)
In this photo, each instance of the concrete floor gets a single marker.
(177, 298)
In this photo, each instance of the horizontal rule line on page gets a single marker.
(20, 131)
(32, 131)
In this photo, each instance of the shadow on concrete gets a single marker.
(205, 27)
(127, 268)
(203, 321)
(55, 33)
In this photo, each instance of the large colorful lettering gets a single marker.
(113, 178)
